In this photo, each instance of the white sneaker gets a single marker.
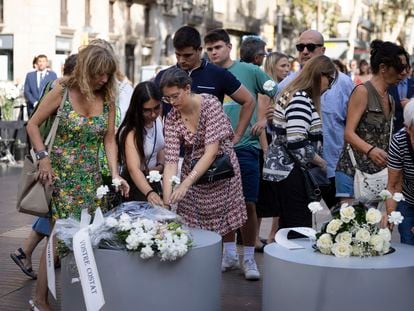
(250, 270)
(229, 263)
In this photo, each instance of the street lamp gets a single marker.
(279, 19)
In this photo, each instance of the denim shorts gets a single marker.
(248, 157)
(42, 226)
(407, 210)
(344, 185)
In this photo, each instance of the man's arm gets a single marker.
(243, 97)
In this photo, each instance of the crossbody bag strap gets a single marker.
(52, 134)
(351, 155)
(153, 146)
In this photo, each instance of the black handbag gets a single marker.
(220, 169)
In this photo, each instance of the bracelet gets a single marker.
(372, 148)
(148, 193)
(193, 174)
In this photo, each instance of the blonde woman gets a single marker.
(297, 138)
(277, 67)
(87, 119)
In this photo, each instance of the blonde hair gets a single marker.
(270, 63)
(92, 62)
(309, 79)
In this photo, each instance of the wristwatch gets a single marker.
(41, 154)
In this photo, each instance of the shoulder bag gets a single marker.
(221, 168)
(32, 196)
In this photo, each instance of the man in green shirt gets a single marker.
(218, 46)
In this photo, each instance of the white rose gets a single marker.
(154, 176)
(385, 194)
(362, 235)
(395, 218)
(116, 182)
(377, 242)
(325, 251)
(269, 85)
(385, 234)
(398, 197)
(373, 216)
(344, 237)
(111, 222)
(315, 207)
(347, 213)
(341, 250)
(324, 241)
(334, 226)
(356, 250)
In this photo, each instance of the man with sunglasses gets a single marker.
(334, 104)
(208, 78)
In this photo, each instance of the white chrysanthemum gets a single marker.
(395, 218)
(132, 241)
(398, 197)
(147, 252)
(116, 182)
(111, 222)
(385, 194)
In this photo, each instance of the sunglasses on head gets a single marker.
(310, 47)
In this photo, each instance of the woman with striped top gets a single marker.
(297, 138)
(401, 174)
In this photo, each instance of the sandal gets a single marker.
(33, 306)
(18, 260)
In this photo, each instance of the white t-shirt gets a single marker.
(155, 133)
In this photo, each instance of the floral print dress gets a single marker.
(75, 161)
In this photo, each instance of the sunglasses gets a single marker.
(310, 47)
(331, 79)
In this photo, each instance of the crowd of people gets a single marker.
(269, 125)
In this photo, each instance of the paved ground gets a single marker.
(16, 289)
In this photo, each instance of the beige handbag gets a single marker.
(33, 197)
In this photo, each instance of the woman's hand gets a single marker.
(154, 199)
(178, 193)
(258, 128)
(124, 187)
(378, 156)
(45, 174)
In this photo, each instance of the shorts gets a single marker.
(344, 185)
(42, 226)
(248, 158)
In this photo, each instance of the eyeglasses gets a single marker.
(171, 99)
(310, 47)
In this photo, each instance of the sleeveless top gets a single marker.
(374, 128)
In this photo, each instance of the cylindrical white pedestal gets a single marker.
(190, 283)
(307, 280)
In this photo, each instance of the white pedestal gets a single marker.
(307, 280)
(190, 283)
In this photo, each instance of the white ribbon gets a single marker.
(282, 240)
(50, 265)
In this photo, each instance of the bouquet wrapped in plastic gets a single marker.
(133, 226)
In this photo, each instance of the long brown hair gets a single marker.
(309, 79)
(92, 62)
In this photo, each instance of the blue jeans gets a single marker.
(407, 210)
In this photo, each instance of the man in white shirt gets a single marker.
(36, 81)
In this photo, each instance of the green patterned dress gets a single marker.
(75, 162)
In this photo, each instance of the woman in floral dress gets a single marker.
(198, 122)
(87, 118)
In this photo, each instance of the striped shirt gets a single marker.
(401, 157)
(297, 126)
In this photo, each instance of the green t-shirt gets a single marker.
(257, 82)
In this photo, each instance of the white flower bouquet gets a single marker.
(354, 231)
(8, 94)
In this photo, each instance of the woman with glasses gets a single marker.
(141, 143)
(198, 122)
(369, 118)
(297, 140)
